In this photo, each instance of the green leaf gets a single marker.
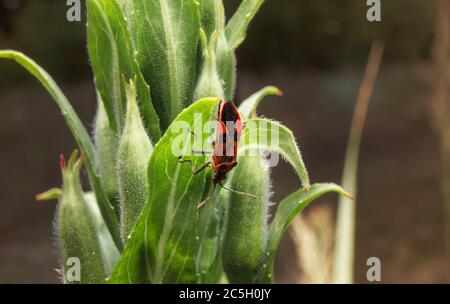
(212, 230)
(111, 53)
(238, 24)
(134, 153)
(166, 40)
(79, 132)
(163, 245)
(212, 16)
(287, 209)
(103, 53)
(110, 253)
(248, 107)
(272, 136)
(51, 194)
(127, 7)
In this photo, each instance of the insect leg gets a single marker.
(237, 192)
(207, 199)
(195, 171)
(208, 164)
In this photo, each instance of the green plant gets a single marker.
(151, 59)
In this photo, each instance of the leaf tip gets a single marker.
(52, 194)
(306, 185)
(350, 196)
(80, 161)
(40, 197)
(73, 159)
(62, 162)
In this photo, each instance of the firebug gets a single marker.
(225, 146)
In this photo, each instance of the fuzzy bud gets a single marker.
(134, 152)
(246, 236)
(75, 226)
(106, 143)
(209, 84)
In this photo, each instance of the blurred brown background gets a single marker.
(315, 51)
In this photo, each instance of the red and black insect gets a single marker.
(225, 146)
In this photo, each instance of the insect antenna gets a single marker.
(237, 192)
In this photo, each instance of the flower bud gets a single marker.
(106, 143)
(209, 84)
(75, 227)
(133, 155)
(245, 240)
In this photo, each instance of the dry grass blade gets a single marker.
(345, 230)
(439, 103)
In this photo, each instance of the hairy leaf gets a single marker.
(166, 39)
(212, 16)
(79, 132)
(269, 135)
(287, 209)
(212, 224)
(248, 107)
(238, 24)
(163, 245)
(110, 253)
(127, 7)
(111, 53)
